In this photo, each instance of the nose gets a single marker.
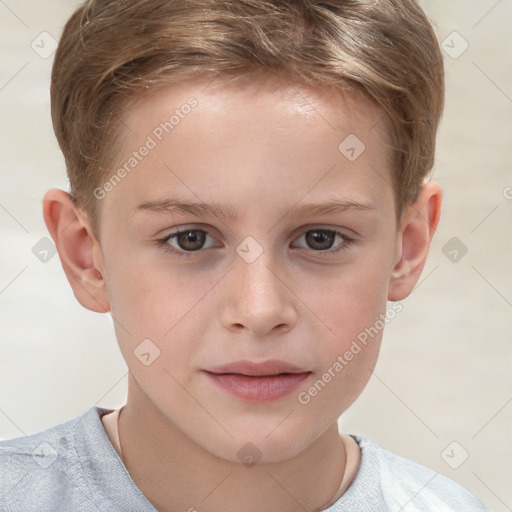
(259, 298)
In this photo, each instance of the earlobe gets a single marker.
(418, 227)
(77, 247)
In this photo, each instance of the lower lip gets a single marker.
(258, 389)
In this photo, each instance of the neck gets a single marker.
(175, 473)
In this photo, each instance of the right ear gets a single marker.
(79, 251)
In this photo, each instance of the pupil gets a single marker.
(325, 238)
(191, 241)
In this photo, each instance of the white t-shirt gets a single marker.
(74, 467)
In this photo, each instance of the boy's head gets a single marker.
(262, 114)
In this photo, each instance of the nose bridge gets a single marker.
(259, 277)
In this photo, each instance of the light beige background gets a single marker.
(445, 369)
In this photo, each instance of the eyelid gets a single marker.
(299, 231)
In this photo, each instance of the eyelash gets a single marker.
(343, 246)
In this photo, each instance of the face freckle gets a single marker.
(251, 170)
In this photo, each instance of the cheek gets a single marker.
(353, 310)
(350, 300)
(163, 304)
(147, 295)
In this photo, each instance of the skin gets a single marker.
(263, 149)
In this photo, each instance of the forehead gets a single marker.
(238, 98)
(207, 140)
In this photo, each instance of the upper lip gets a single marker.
(252, 368)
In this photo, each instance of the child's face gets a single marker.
(261, 155)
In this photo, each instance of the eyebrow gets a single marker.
(223, 211)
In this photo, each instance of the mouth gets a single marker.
(258, 382)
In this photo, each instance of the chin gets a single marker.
(251, 445)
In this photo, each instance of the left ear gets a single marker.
(419, 223)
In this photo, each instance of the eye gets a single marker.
(185, 241)
(322, 240)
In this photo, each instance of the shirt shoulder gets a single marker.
(71, 466)
(36, 470)
(389, 482)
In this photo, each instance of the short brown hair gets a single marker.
(113, 51)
